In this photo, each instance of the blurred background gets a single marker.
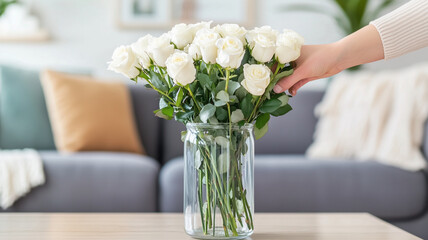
(82, 34)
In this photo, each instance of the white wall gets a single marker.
(84, 34)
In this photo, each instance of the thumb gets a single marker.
(285, 83)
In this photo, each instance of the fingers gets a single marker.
(298, 85)
(285, 83)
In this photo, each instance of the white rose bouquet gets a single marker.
(223, 74)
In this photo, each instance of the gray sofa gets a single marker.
(285, 181)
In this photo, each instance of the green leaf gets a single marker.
(206, 112)
(283, 75)
(165, 113)
(174, 88)
(223, 96)
(233, 86)
(183, 135)
(143, 75)
(260, 132)
(179, 97)
(284, 99)
(282, 110)
(221, 114)
(241, 93)
(220, 86)
(262, 120)
(184, 117)
(219, 103)
(155, 79)
(247, 105)
(168, 111)
(163, 103)
(205, 81)
(237, 116)
(270, 106)
(213, 120)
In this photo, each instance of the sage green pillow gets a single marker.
(24, 121)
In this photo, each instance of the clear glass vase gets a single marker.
(219, 181)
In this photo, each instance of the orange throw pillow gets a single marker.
(90, 115)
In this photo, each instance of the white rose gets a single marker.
(194, 51)
(232, 30)
(160, 49)
(206, 40)
(288, 47)
(140, 49)
(230, 52)
(181, 35)
(262, 41)
(201, 25)
(256, 78)
(125, 62)
(180, 68)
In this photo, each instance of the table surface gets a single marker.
(289, 226)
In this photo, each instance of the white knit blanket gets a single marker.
(377, 116)
(20, 170)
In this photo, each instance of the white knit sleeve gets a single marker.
(405, 29)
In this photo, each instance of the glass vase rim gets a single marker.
(235, 126)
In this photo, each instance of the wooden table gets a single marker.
(34, 226)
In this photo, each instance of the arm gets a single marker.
(399, 32)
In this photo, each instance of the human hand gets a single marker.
(315, 62)
(321, 61)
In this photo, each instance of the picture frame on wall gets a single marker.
(163, 14)
(150, 14)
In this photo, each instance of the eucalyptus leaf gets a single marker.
(213, 120)
(219, 103)
(222, 141)
(205, 81)
(221, 114)
(237, 116)
(220, 86)
(206, 112)
(233, 86)
(223, 96)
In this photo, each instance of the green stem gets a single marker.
(200, 200)
(193, 97)
(227, 79)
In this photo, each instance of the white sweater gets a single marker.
(405, 29)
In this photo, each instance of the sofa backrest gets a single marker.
(145, 101)
(289, 134)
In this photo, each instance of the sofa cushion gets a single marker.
(94, 182)
(295, 184)
(89, 114)
(24, 121)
